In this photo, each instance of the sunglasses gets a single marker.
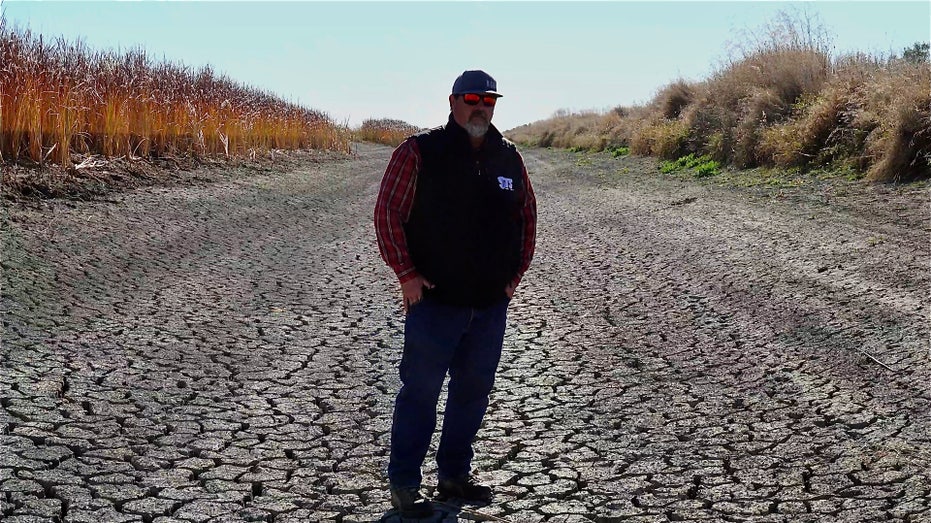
(474, 99)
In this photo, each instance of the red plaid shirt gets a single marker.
(396, 199)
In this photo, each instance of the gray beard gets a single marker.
(476, 130)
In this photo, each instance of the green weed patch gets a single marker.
(701, 166)
(619, 151)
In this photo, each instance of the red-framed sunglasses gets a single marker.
(474, 99)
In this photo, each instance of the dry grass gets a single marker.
(673, 98)
(59, 99)
(896, 106)
(384, 131)
(781, 101)
(586, 130)
(663, 138)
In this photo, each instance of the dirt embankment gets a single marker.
(680, 351)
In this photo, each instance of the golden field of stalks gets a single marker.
(384, 131)
(783, 102)
(60, 101)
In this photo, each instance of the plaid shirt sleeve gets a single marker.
(528, 215)
(393, 208)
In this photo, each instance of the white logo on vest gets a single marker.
(506, 183)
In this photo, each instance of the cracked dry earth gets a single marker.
(679, 351)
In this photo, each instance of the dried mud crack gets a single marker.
(679, 352)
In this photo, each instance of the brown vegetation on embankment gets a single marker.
(783, 102)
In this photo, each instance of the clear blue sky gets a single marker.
(356, 60)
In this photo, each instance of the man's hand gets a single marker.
(413, 291)
(509, 290)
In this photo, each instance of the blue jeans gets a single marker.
(438, 338)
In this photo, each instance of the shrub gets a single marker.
(917, 53)
(664, 138)
(781, 145)
(673, 98)
(716, 146)
(589, 141)
(901, 142)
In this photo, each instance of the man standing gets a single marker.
(456, 221)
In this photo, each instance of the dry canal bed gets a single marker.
(679, 351)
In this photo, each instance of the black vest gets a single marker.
(464, 231)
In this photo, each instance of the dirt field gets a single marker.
(226, 350)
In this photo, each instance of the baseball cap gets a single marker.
(475, 82)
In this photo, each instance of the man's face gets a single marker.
(475, 119)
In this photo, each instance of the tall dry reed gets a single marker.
(59, 98)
